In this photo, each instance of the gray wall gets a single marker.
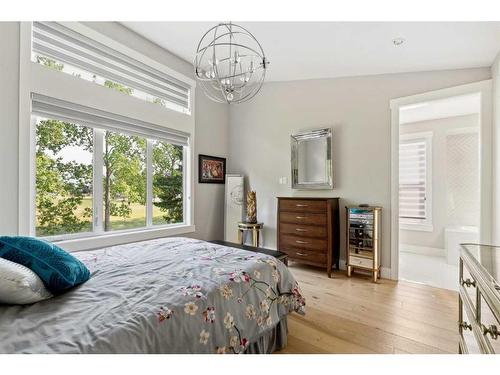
(358, 110)
(440, 214)
(211, 133)
(9, 121)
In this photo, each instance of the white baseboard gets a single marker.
(385, 272)
(422, 250)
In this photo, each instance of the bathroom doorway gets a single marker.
(441, 192)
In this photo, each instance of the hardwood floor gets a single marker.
(353, 315)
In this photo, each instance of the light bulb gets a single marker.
(229, 96)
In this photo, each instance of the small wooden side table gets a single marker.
(254, 227)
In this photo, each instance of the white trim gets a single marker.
(32, 177)
(149, 183)
(97, 188)
(121, 237)
(427, 224)
(485, 131)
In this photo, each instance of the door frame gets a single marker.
(484, 88)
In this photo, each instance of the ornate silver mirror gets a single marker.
(312, 159)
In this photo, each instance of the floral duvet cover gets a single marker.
(173, 295)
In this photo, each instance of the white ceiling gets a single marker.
(442, 108)
(305, 50)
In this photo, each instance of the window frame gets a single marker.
(36, 79)
(427, 224)
(98, 194)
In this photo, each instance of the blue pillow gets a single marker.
(58, 269)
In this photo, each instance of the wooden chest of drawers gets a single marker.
(308, 230)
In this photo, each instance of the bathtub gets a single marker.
(454, 236)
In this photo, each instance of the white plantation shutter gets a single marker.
(413, 158)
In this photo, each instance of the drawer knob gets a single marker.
(301, 205)
(301, 254)
(491, 330)
(468, 283)
(301, 242)
(465, 325)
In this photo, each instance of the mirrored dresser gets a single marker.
(479, 299)
(363, 232)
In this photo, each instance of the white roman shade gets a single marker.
(413, 180)
(61, 43)
(53, 108)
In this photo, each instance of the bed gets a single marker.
(171, 295)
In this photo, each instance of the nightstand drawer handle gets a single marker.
(301, 205)
(491, 330)
(465, 325)
(300, 217)
(301, 242)
(300, 230)
(301, 254)
(468, 283)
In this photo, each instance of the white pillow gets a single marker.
(19, 285)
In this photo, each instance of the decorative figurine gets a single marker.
(251, 207)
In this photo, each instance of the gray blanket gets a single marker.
(173, 295)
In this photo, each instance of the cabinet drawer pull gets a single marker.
(301, 254)
(301, 242)
(468, 283)
(491, 330)
(465, 325)
(301, 205)
(300, 217)
(300, 230)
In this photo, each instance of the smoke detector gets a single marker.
(398, 41)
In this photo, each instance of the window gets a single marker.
(98, 172)
(64, 169)
(168, 195)
(124, 181)
(62, 48)
(97, 166)
(415, 187)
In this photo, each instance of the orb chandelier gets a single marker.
(230, 64)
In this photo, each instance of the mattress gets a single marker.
(171, 295)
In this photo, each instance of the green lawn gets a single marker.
(137, 218)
